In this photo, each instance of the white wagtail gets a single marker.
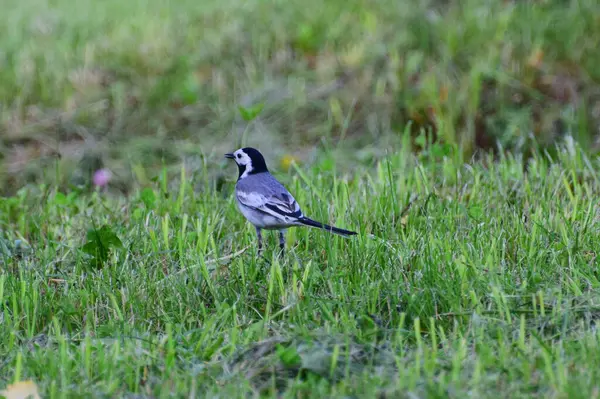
(265, 202)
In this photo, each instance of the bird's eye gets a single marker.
(239, 156)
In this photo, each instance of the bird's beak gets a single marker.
(229, 155)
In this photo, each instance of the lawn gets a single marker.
(486, 285)
(475, 271)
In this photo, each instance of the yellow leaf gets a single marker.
(443, 93)
(287, 160)
(536, 58)
(21, 390)
(404, 220)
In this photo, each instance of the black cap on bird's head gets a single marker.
(249, 161)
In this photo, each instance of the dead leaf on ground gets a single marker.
(21, 390)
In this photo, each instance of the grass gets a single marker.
(487, 285)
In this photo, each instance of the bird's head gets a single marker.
(249, 161)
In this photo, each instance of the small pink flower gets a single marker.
(102, 177)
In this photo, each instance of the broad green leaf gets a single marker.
(250, 113)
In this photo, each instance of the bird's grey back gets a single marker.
(263, 183)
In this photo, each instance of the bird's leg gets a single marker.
(282, 240)
(259, 236)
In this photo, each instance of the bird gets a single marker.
(265, 202)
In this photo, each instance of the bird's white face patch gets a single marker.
(242, 159)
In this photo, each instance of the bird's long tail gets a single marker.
(309, 222)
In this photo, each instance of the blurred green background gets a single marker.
(141, 84)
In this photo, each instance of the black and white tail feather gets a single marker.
(265, 202)
(313, 223)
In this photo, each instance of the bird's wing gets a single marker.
(280, 205)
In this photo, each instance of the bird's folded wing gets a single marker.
(281, 205)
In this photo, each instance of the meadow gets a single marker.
(458, 138)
